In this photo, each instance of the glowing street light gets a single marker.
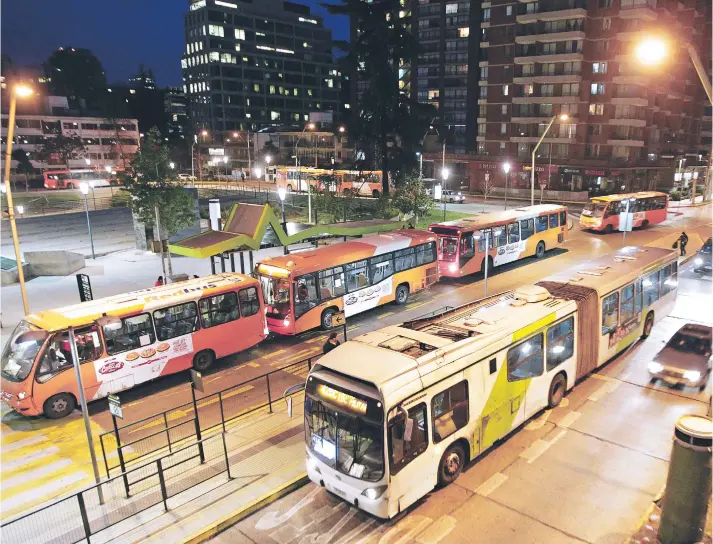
(562, 117)
(651, 51)
(108, 168)
(88, 161)
(171, 165)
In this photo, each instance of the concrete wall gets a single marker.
(53, 263)
(558, 196)
(8, 277)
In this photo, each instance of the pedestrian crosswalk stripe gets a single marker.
(32, 494)
(27, 459)
(22, 443)
(7, 483)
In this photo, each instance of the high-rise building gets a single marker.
(251, 65)
(619, 125)
(175, 107)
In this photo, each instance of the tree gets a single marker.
(411, 198)
(156, 194)
(65, 147)
(388, 123)
(270, 149)
(75, 73)
(24, 166)
(486, 187)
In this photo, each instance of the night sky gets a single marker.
(121, 33)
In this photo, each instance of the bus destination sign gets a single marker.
(342, 399)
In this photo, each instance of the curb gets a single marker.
(243, 512)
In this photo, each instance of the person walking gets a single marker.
(331, 343)
(159, 282)
(683, 241)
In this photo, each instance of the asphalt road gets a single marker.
(583, 472)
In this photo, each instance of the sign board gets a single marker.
(437, 192)
(85, 288)
(626, 220)
(197, 380)
(542, 186)
(216, 151)
(338, 319)
(115, 406)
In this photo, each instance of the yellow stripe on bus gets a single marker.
(527, 331)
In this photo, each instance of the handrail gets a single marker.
(294, 389)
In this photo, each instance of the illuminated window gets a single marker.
(295, 92)
(237, 47)
(451, 8)
(216, 30)
(272, 89)
(239, 34)
(275, 115)
(256, 87)
(213, 56)
(330, 83)
(228, 58)
(464, 32)
(184, 63)
(506, 90)
(309, 92)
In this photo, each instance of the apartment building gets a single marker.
(249, 65)
(625, 125)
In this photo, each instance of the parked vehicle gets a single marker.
(686, 358)
(702, 260)
(452, 197)
(186, 177)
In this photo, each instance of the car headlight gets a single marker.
(373, 493)
(655, 367)
(692, 375)
(21, 395)
(698, 261)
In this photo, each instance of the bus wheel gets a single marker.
(401, 294)
(203, 360)
(327, 316)
(70, 186)
(609, 229)
(490, 266)
(648, 325)
(59, 406)
(557, 389)
(644, 223)
(540, 250)
(375, 193)
(451, 465)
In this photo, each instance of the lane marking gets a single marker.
(542, 447)
(539, 422)
(387, 314)
(438, 530)
(175, 414)
(610, 387)
(41, 491)
(7, 483)
(491, 484)
(569, 419)
(273, 354)
(272, 519)
(34, 456)
(351, 535)
(22, 443)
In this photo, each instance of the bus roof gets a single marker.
(616, 198)
(404, 359)
(609, 272)
(305, 262)
(492, 218)
(85, 313)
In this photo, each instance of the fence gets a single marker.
(101, 506)
(174, 428)
(45, 206)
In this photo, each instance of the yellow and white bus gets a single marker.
(392, 413)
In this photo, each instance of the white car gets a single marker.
(186, 177)
(452, 197)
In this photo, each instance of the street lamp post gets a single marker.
(562, 117)
(420, 164)
(195, 141)
(506, 168)
(445, 173)
(22, 91)
(84, 188)
(299, 177)
(282, 192)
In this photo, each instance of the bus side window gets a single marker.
(357, 276)
(541, 223)
(404, 259)
(501, 236)
(401, 451)
(563, 218)
(450, 411)
(176, 320)
(136, 331)
(482, 239)
(610, 313)
(525, 360)
(305, 294)
(380, 268)
(560, 343)
(57, 357)
(527, 228)
(219, 309)
(554, 221)
(669, 280)
(627, 303)
(651, 288)
(425, 253)
(331, 283)
(638, 301)
(513, 233)
(467, 245)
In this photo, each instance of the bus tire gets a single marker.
(70, 186)
(375, 193)
(401, 295)
(557, 390)
(648, 325)
(609, 229)
(203, 360)
(327, 316)
(540, 250)
(644, 223)
(491, 265)
(59, 406)
(451, 465)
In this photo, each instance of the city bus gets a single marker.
(163, 330)
(513, 235)
(394, 412)
(304, 290)
(359, 182)
(70, 179)
(601, 213)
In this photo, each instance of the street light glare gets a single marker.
(282, 192)
(84, 188)
(445, 173)
(23, 90)
(341, 129)
(204, 133)
(564, 117)
(268, 159)
(310, 126)
(506, 167)
(258, 171)
(651, 51)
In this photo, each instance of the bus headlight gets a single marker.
(21, 395)
(373, 493)
(692, 375)
(698, 261)
(655, 367)
(286, 322)
(453, 267)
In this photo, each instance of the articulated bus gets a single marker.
(304, 290)
(392, 413)
(513, 234)
(70, 179)
(602, 213)
(163, 330)
(359, 182)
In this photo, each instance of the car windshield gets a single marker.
(448, 247)
(20, 351)
(707, 246)
(595, 209)
(277, 294)
(687, 343)
(351, 444)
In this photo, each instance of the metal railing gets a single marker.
(79, 516)
(178, 426)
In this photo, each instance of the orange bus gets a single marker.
(514, 234)
(304, 290)
(163, 330)
(360, 182)
(602, 212)
(70, 179)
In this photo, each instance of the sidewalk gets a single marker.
(648, 529)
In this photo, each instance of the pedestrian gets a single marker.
(683, 240)
(159, 282)
(331, 343)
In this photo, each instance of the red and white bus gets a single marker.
(513, 235)
(70, 179)
(601, 213)
(162, 330)
(359, 182)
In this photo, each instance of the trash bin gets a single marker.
(688, 484)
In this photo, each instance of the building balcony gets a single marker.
(636, 9)
(627, 143)
(628, 122)
(629, 101)
(554, 36)
(546, 78)
(531, 120)
(551, 11)
(545, 99)
(535, 139)
(630, 80)
(556, 57)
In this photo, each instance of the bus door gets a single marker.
(467, 249)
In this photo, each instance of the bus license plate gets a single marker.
(337, 491)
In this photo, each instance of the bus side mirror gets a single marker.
(408, 430)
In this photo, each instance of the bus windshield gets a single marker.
(351, 444)
(277, 293)
(595, 209)
(20, 352)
